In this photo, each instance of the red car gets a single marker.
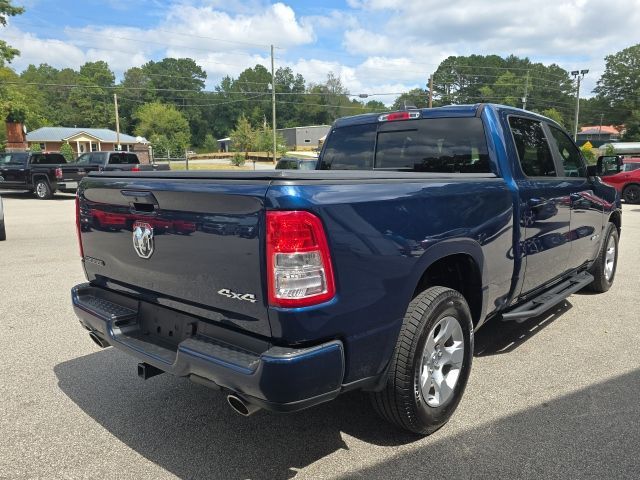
(623, 173)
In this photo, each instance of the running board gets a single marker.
(549, 298)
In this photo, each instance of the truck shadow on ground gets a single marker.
(589, 434)
(190, 431)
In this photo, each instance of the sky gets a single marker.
(374, 46)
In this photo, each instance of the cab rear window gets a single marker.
(441, 145)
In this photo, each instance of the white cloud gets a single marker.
(215, 29)
(571, 33)
(386, 45)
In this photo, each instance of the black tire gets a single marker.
(402, 401)
(3, 232)
(631, 194)
(42, 189)
(601, 280)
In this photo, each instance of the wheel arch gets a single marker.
(616, 219)
(457, 264)
(37, 176)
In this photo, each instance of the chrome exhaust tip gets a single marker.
(241, 406)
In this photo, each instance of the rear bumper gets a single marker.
(276, 378)
(64, 185)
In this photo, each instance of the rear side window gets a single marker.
(90, 159)
(38, 159)
(55, 158)
(350, 148)
(131, 158)
(116, 159)
(442, 145)
(532, 146)
(569, 153)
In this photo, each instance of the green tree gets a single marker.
(632, 132)
(165, 127)
(179, 82)
(92, 105)
(491, 78)
(210, 144)
(263, 142)
(67, 152)
(417, 97)
(243, 137)
(553, 114)
(20, 103)
(620, 82)
(7, 52)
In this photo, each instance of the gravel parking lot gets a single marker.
(555, 397)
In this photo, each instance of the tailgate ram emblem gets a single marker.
(143, 239)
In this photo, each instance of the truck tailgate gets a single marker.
(193, 245)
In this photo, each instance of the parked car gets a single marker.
(372, 273)
(3, 231)
(292, 163)
(116, 161)
(623, 173)
(41, 173)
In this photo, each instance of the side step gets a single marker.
(549, 298)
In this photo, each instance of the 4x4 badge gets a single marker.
(248, 297)
(143, 239)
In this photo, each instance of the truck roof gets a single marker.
(437, 112)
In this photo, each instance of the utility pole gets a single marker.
(578, 75)
(273, 105)
(600, 127)
(431, 91)
(115, 101)
(526, 91)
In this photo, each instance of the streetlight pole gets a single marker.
(578, 75)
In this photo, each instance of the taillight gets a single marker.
(135, 169)
(298, 260)
(393, 117)
(78, 226)
(59, 173)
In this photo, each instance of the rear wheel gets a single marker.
(631, 194)
(604, 268)
(431, 363)
(43, 189)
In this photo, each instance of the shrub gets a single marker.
(67, 152)
(238, 159)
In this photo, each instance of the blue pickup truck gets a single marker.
(286, 288)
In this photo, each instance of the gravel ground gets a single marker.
(555, 397)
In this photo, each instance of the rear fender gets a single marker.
(446, 248)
